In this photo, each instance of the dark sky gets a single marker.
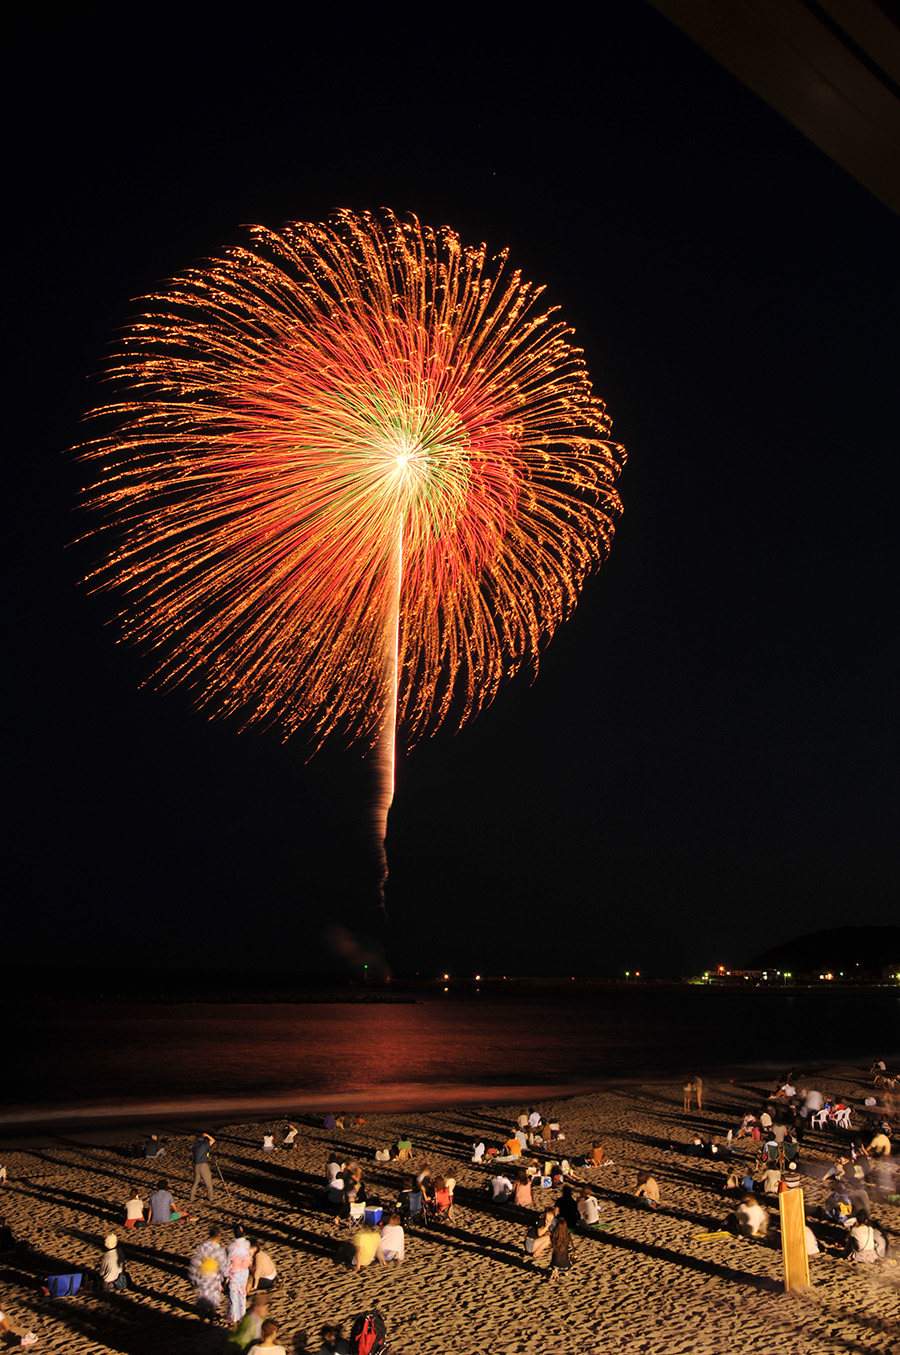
(706, 763)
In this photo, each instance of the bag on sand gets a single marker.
(368, 1335)
(62, 1286)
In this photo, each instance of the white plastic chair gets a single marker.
(820, 1119)
(842, 1118)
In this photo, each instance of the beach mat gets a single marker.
(698, 1237)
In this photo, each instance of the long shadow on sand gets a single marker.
(674, 1258)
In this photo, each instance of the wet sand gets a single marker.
(646, 1284)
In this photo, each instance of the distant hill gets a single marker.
(867, 951)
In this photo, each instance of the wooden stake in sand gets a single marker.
(793, 1239)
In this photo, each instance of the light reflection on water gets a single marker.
(136, 1058)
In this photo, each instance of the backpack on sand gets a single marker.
(369, 1334)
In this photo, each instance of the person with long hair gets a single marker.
(562, 1252)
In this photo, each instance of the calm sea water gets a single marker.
(90, 1064)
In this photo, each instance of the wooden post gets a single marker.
(793, 1238)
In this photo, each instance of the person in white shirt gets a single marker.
(501, 1189)
(750, 1219)
(534, 1119)
(134, 1210)
(866, 1243)
(588, 1208)
(393, 1240)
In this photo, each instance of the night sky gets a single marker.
(706, 763)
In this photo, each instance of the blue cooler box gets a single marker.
(373, 1215)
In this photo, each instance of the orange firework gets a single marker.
(353, 476)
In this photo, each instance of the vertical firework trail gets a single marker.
(350, 479)
(385, 755)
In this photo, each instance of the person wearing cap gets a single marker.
(202, 1144)
(112, 1268)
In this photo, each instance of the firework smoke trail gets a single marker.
(245, 470)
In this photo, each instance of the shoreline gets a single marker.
(651, 1282)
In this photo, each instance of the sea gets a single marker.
(101, 1066)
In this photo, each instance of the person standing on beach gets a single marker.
(688, 1093)
(698, 1090)
(239, 1262)
(202, 1145)
(207, 1272)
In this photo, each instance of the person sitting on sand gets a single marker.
(866, 1243)
(366, 1244)
(404, 1147)
(249, 1329)
(290, 1135)
(262, 1268)
(501, 1188)
(771, 1180)
(647, 1190)
(333, 1342)
(268, 1143)
(588, 1208)
(749, 1219)
(598, 1156)
(838, 1207)
(512, 1147)
(478, 1151)
(880, 1144)
(562, 1252)
(393, 1240)
(567, 1207)
(733, 1181)
(522, 1190)
(162, 1205)
(207, 1272)
(134, 1210)
(14, 1338)
(111, 1268)
(153, 1147)
(534, 1118)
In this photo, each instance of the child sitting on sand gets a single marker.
(134, 1210)
(393, 1239)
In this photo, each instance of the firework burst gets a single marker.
(354, 477)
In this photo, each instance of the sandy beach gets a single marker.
(646, 1283)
